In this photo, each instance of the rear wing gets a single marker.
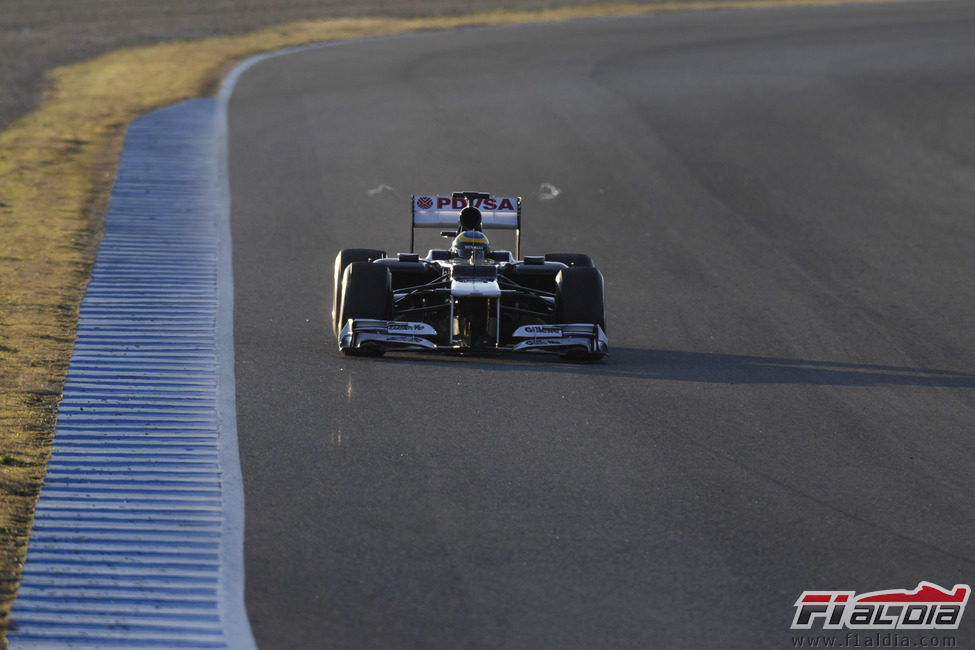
(497, 212)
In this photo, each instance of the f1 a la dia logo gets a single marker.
(929, 607)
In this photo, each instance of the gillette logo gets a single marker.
(929, 607)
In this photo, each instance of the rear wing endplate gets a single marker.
(497, 213)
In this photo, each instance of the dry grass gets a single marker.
(56, 169)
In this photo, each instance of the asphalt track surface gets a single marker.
(781, 203)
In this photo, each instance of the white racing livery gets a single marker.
(469, 298)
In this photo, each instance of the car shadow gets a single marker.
(712, 368)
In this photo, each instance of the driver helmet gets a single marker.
(470, 244)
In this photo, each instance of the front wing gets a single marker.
(375, 336)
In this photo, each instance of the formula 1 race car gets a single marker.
(469, 298)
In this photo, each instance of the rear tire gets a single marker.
(342, 260)
(366, 293)
(570, 259)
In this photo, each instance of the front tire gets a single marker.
(366, 293)
(579, 299)
(346, 257)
